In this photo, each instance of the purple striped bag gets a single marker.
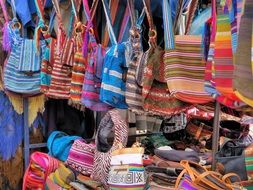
(93, 78)
(93, 74)
(81, 157)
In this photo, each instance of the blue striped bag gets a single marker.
(113, 85)
(22, 70)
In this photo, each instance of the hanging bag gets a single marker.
(184, 63)
(112, 121)
(40, 166)
(93, 75)
(223, 58)
(47, 63)
(113, 85)
(134, 97)
(157, 98)
(62, 71)
(80, 62)
(22, 70)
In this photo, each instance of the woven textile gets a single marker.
(47, 66)
(78, 71)
(112, 120)
(113, 85)
(185, 70)
(134, 97)
(157, 98)
(60, 80)
(93, 78)
(223, 62)
(81, 157)
(184, 65)
(22, 71)
(243, 75)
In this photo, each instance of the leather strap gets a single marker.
(202, 178)
(226, 177)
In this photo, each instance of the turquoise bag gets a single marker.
(59, 144)
(113, 85)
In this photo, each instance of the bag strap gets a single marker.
(152, 30)
(192, 8)
(135, 23)
(112, 36)
(42, 28)
(124, 24)
(114, 6)
(61, 31)
(178, 14)
(4, 9)
(169, 40)
(214, 21)
(90, 13)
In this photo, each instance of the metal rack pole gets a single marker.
(26, 133)
(216, 139)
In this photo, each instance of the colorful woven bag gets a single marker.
(113, 85)
(93, 75)
(40, 166)
(223, 59)
(243, 80)
(134, 97)
(81, 156)
(157, 98)
(62, 71)
(103, 152)
(79, 64)
(210, 86)
(184, 63)
(22, 70)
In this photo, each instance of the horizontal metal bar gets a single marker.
(39, 145)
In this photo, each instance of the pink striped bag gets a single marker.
(81, 156)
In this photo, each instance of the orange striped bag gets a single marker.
(184, 63)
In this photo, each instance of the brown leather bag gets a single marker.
(198, 177)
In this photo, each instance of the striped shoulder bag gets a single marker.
(134, 97)
(184, 63)
(62, 71)
(93, 74)
(22, 70)
(157, 98)
(79, 61)
(113, 85)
